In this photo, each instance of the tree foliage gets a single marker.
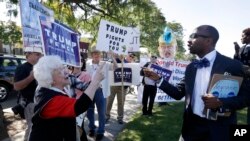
(10, 33)
(84, 16)
(178, 32)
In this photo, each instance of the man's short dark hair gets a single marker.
(246, 31)
(212, 31)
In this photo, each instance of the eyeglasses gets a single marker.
(153, 57)
(131, 56)
(194, 36)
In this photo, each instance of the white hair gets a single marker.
(44, 69)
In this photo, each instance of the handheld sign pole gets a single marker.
(122, 61)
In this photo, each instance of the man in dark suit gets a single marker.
(196, 127)
(243, 54)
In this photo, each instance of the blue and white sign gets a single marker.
(225, 88)
(127, 75)
(165, 73)
(60, 40)
(177, 69)
(31, 10)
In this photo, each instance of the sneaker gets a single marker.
(99, 137)
(120, 121)
(91, 133)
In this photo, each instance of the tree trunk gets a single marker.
(1, 46)
(10, 48)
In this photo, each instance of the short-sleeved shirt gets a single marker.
(22, 72)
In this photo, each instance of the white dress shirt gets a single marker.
(202, 80)
(147, 80)
(91, 69)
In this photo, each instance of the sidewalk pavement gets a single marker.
(112, 128)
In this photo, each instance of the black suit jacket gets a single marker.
(244, 55)
(185, 88)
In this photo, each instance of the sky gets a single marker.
(229, 17)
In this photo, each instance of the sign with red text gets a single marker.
(178, 71)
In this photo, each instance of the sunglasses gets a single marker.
(153, 57)
(195, 35)
(131, 56)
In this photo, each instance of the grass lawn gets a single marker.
(165, 125)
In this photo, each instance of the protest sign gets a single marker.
(178, 71)
(165, 73)
(134, 42)
(131, 75)
(30, 12)
(127, 75)
(60, 40)
(222, 86)
(112, 37)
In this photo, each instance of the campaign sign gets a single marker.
(134, 44)
(31, 10)
(127, 75)
(60, 40)
(225, 88)
(135, 77)
(177, 69)
(112, 37)
(161, 71)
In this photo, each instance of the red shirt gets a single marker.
(59, 106)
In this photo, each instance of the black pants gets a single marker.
(248, 108)
(196, 128)
(149, 92)
(84, 135)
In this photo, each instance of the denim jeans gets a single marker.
(100, 102)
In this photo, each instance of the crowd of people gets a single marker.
(52, 99)
(194, 86)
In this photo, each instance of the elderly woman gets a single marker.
(55, 112)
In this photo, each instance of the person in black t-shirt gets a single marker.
(25, 84)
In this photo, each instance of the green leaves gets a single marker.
(10, 33)
(84, 16)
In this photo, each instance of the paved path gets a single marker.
(17, 126)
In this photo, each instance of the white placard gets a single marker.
(178, 69)
(134, 44)
(135, 75)
(113, 37)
